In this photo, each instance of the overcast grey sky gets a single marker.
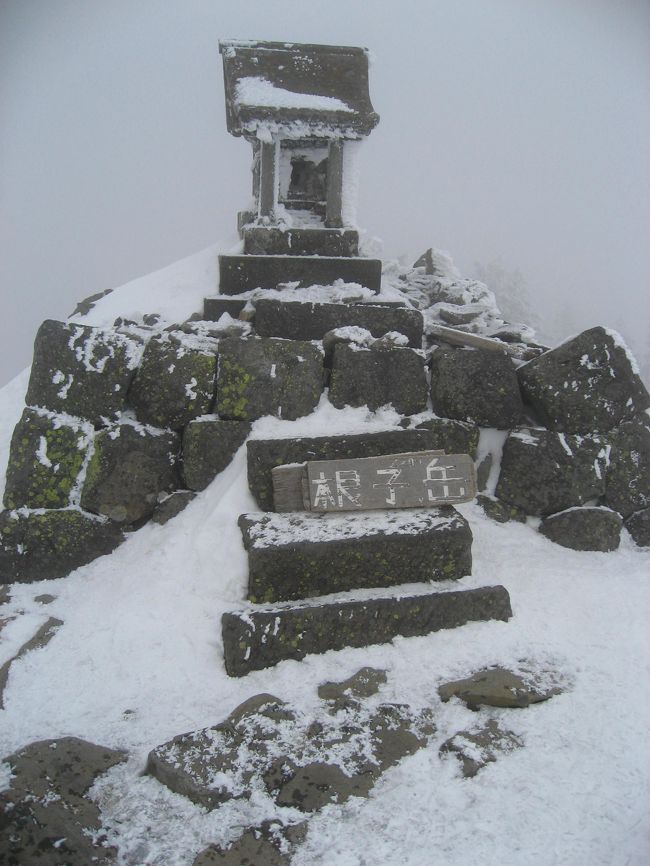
(516, 130)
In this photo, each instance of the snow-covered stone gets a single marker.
(584, 528)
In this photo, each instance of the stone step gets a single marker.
(239, 274)
(259, 638)
(296, 320)
(263, 240)
(296, 556)
(264, 454)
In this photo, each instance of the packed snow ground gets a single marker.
(138, 660)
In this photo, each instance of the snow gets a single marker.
(258, 91)
(139, 660)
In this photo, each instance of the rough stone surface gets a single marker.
(364, 684)
(214, 308)
(373, 378)
(500, 511)
(267, 376)
(499, 687)
(264, 741)
(475, 385)
(258, 638)
(583, 528)
(172, 505)
(46, 816)
(45, 458)
(173, 383)
(208, 447)
(628, 475)
(544, 472)
(81, 371)
(586, 384)
(42, 637)
(239, 274)
(130, 468)
(295, 320)
(301, 559)
(265, 454)
(638, 525)
(477, 748)
(50, 544)
(270, 844)
(452, 437)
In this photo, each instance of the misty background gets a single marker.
(514, 133)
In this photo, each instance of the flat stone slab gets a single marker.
(270, 844)
(584, 528)
(299, 320)
(589, 383)
(259, 638)
(45, 813)
(295, 556)
(303, 760)
(239, 274)
(267, 376)
(479, 747)
(377, 377)
(543, 471)
(265, 240)
(81, 371)
(499, 687)
(265, 454)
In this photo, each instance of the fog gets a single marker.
(514, 133)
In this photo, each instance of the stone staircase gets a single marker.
(320, 582)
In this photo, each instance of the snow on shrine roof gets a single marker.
(296, 90)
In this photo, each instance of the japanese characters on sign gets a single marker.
(392, 481)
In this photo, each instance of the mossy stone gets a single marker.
(267, 376)
(45, 458)
(173, 383)
(50, 544)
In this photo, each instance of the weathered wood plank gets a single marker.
(410, 480)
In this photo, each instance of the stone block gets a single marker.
(265, 240)
(214, 308)
(627, 486)
(173, 383)
(239, 274)
(500, 511)
(81, 371)
(45, 457)
(130, 468)
(172, 506)
(297, 320)
(475, 385)
(265, 376)
(638, 525)
(374, 378)
(452, 437)
(298, 556)
(499, 687)
(543, 472)
(50, 544)
(259, 638)
(584, 528)
(587, 384)
(265, 454)
(208, 447)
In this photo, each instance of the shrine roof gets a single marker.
(296, 90)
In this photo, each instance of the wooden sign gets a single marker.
(416, 479)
